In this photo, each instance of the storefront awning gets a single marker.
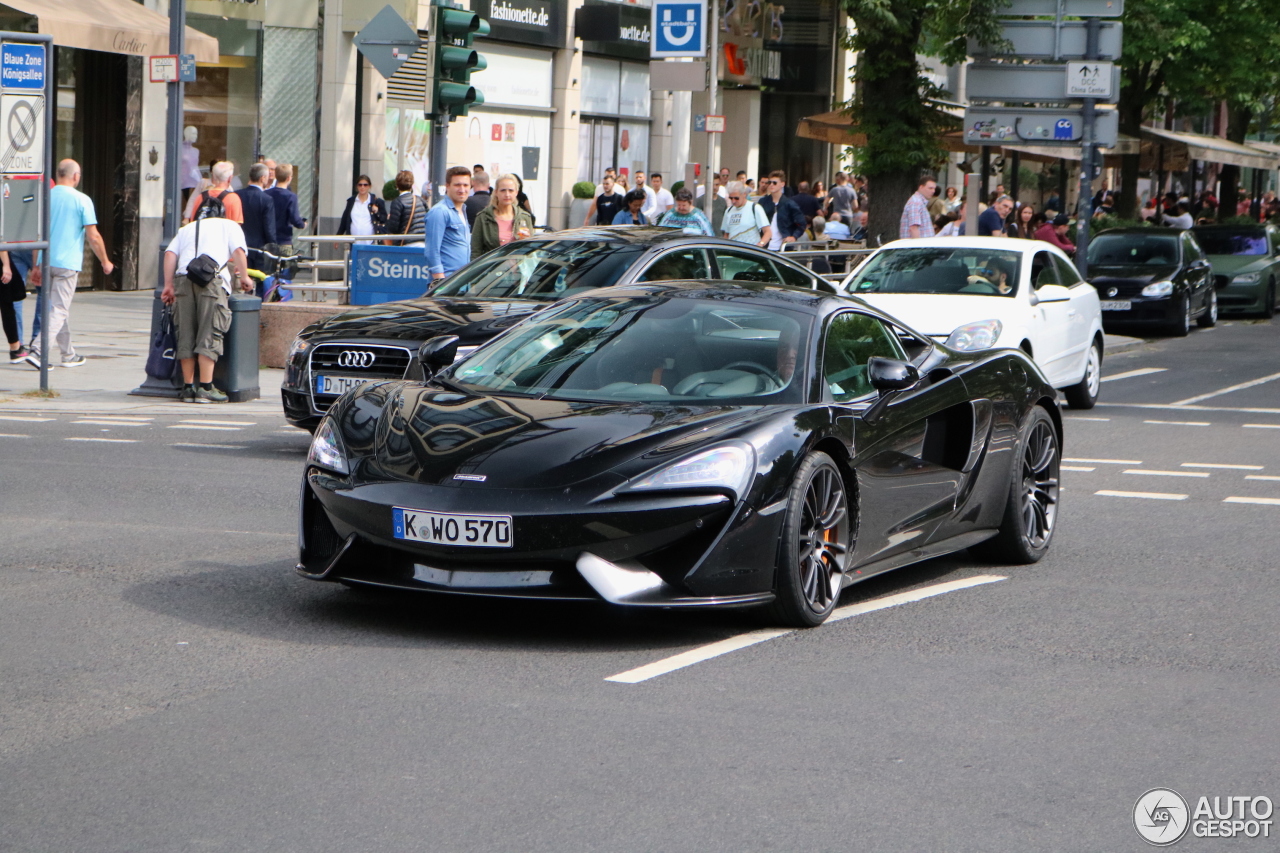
(1211, 149)
(113, 26)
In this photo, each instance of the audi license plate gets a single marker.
(440, 528)
(1117, 305)
(338, 384)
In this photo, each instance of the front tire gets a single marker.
(1084, 394)
(816, 543)
(1209, 318)
(1181, 327)
(1031, 508)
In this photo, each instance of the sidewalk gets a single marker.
(111, 330)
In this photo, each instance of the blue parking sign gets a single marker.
(679, 28)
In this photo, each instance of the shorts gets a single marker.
(202, 317)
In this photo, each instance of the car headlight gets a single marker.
(975, 336)
(327, 450)
(1247, 278)
(729, 466)
(1159, 288)
(299, 346)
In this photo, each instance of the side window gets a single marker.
(1067, 274)
(792, 276)
(1043, 271)
(677, 265)
(852, 339)
(741, 266)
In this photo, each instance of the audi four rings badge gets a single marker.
(355, 358)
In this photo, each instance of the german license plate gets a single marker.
(1117, 305)
(338, 384)
(441, 528)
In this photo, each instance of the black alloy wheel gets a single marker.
(815, 544)
(1181, 326)
(1209, 318)
(1032, 507)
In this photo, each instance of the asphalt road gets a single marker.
(167, 683)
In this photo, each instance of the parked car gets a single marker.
(979, 292)
(497, 289)
(1154, 277)
(1246, 266)
(701, 444)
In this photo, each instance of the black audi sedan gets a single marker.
(696, 444)
(499, 288)
(1152, 277)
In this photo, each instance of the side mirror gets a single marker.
(1052, 293)
(889, 374)
(437, 354)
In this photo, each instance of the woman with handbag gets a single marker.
(503, 220)
(408, 213)
(365, 214)
(13, 289)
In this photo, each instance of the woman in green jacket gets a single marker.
(502, 220)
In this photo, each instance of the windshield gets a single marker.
(1228, 243)
(980, 272)
(542, 269)
(649, 349)
(1149, 249)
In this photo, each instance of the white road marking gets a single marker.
(13, 435)
(1082, 418)
(1262, 426)
(1227, 467)
(1151, 472)
(1228, 390)
(1262, 477)
(215, 446)
(742, 641)
(24, 418)
(1247, 411)
(1261, 501)
(97, 422)
(118, 417)
(1155, 496)
(1078, 468)
(1105, 461)
(193, 426)
(1180, 423)
(1130, 374)
(113, 440)
(221, 423)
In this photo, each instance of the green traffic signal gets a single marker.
(455, 61)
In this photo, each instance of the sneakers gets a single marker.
(23, 355)
(74, 361)
(188, 394)
(209, 395)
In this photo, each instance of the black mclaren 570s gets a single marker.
(693, 444)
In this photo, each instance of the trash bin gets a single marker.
(236, 373)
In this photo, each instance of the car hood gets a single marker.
(473, 320)
(421, 434)
(1235, 264)
(938, 314)
(1140, 273)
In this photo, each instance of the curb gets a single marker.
(1116, 344)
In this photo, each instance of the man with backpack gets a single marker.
(197, 285)
(220, 175)
(744, 221)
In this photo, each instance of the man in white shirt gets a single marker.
(744, 221)
(649, 197)
(662, 199)
(201, 312)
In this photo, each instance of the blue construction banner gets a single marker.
(387, 273)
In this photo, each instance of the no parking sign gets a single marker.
(679, 28)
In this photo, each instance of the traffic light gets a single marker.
(451, 90)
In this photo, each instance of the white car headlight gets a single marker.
(1159, 288)
(327, 450)
(1247, 278)
(975, 336)
(730, 466)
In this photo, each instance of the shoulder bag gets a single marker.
(201, 269)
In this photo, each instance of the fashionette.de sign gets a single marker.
(531, 22)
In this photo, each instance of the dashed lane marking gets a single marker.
(1260, 501)
(214, 446)
(112, 440)
(1269, 479)
(1262, 426)
(97, 422)
(13, 435)
(742, 641)
(221, 423)
(1154, 496)
(1081, 418)
(1078, 468)
(1223, 466)
(1151, 472)
(1228, 390)
(25, 418)
(1197, 409)
(205, 426)
(1179, 423)
(1104, 461)
(1131, 374)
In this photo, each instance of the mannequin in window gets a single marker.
(190, 162)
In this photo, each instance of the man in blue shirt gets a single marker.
(448, 232)
(992, 221)
(71, 221)
(287, 215)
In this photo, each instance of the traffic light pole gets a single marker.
(1084, 207)
(439, 153)
(713, 82)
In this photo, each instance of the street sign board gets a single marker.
(22, 148)
(387, 41)
(1001, 126)
(1036, 40)
(1070, 8)
(1091, 80)
(715, 124)
(22, 66)
(187, 68)
(679, 28)
(164, 69)
(987, 81)
(677, 76)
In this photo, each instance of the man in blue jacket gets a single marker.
(259, 214)
(448, 232)
(786, 220)
(287, 215)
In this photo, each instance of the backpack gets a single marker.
(210, 206)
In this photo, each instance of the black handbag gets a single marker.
(160, 360)
(201, 269)
(17, 287)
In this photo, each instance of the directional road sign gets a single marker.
(1092, 80)
(679, 28)
(1070, 8)
(1035, 40)
(387, 41)
(1010, 83)
(22, 67)
(1000, 126)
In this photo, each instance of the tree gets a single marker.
(893, 99)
